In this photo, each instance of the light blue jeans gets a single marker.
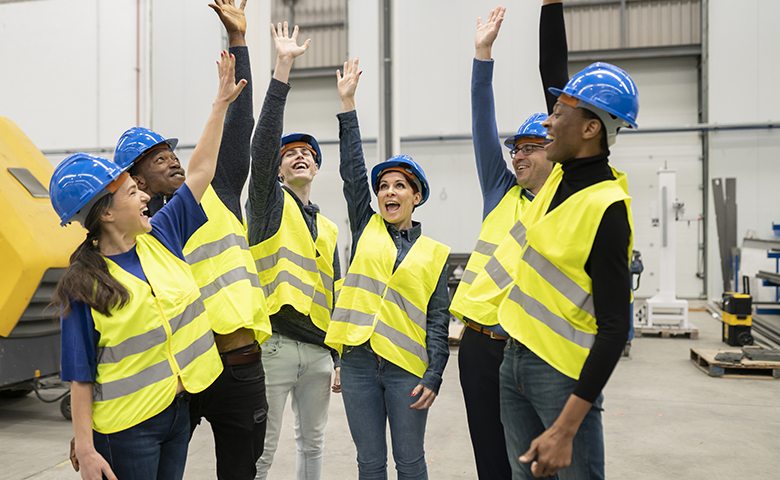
(533, 394)
(375, 392)
(303, 371)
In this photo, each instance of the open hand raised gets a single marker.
(286, 46)
(232, 17)
(487, 32)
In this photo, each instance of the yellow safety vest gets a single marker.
(295, 270)
(549, 308)
(225, 271)
(389, 308)
(161, 335)
(494, 228)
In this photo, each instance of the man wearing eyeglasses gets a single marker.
(505, 194)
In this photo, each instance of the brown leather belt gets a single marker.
(241, 358)
(481, 329)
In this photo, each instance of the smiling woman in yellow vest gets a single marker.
(136, 336)
(390, 320)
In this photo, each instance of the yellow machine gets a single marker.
(34, 251)
(737, 319)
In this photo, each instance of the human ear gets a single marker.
(140, 181)
(417, 198)
(591, 129)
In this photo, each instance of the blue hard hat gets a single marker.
(78, 182)
(135, 142)
(532, 127)
(606, 87)
(306, 138)
(405, 162)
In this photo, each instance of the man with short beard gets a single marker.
(506, 194)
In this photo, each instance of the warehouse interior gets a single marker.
(78, 74)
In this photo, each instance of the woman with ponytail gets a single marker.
(135, 335)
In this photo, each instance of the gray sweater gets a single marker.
(266, 203)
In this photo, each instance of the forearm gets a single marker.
(553, 50)
(282, 68)
(495, 178)
(203, 162)
(81, 412)
(570, 418)
(608, 268)
(264, 188)
(234, 159)
(352, 167)
(437, 334)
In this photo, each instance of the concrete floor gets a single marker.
(663, 419)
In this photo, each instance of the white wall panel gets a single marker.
(187, 40)
(436, 48)
(743, 71)
(62, 79)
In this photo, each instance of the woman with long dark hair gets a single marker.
(135, 335)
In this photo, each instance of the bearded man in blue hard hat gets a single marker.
(294, 247)
(506, 194)
(565, 277)
(219, 257)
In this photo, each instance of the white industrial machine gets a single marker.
(665, 309)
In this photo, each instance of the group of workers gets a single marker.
(167, 302)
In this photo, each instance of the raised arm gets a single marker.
(553, 50)
(233, 162)
(352, 166)
(264, 188)
(495, 178)
(203, 162)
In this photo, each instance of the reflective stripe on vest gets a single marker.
(223, 267)
(295, 270)
(549, 307)
(494, 228)
(388, 308)
(162, 335)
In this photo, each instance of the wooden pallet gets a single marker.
(705, 360)
(666, 332)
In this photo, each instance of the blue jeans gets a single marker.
(155, 448)
(374, 392)
(533, 394)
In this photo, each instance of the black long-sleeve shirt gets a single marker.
(233, 161)
(607, 266)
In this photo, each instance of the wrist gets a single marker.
(483, 53)
(348, 104)
(237, 38)
(566, 430)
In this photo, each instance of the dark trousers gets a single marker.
(479, 359)
(236, 407)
